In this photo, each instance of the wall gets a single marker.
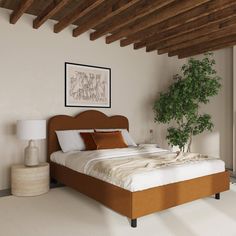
(234, 110)
(32, 86)
(32, 81)
(219, 142)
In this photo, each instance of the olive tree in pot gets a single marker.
(181, 102)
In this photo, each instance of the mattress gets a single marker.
(83, 161)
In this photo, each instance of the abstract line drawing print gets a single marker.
(87, 86)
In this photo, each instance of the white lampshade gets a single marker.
(31, 129)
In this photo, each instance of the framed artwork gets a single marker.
(87, 86)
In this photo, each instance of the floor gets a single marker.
(65, 212)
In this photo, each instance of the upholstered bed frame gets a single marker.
(130, 204)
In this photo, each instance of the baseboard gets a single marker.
(5, 192)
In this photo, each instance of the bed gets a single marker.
(137, 199)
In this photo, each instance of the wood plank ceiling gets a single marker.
(180, 28)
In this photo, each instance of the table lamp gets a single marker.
(31, 130)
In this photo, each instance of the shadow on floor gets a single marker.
(174, 224)
(224, 205)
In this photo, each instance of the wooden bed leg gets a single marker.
(217, 196)
(133, 223)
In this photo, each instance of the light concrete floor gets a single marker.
(65, 212)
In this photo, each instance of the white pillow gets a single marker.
(70, 140)
(126, 136)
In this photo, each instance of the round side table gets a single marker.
(29, 181)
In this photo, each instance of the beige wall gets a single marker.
(234, 110)
(32, 86)
(32, 81)
(220, 142)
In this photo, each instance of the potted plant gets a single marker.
(181, 102)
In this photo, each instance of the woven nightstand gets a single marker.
(30, 181)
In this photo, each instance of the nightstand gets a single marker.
(29, 181)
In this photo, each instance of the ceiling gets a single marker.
(180, 28)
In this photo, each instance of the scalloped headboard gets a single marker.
(90, 119)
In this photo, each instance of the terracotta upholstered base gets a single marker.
(140, 203)
(163, 197)
(111, 196)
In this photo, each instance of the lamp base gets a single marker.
(31, 154)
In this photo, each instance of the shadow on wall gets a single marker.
(10, 142)
(215, 144)
(207, 143)
(11, 153)
(161, 84)
(9, 129)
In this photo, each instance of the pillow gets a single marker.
(88, 141)
(126, 136)
(109, 140)
(70, 140)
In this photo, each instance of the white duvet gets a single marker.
(138, 168)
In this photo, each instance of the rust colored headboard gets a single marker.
(90, 119)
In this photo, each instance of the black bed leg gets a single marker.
(217, 196)
(53, 181)
(134, 223)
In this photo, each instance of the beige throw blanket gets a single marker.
(120, 169)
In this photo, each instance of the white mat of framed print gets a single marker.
(87, 86)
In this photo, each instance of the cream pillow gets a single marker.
(70, 140)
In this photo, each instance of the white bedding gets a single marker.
(82, 161)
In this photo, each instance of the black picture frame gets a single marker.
(108, 70)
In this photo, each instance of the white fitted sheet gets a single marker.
(80, 160)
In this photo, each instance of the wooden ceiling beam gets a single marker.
(209, 46)
(84, 8)
(219, 32)
(141, 10)
(20, 10)
(190, 36)
(175, 9)
(177, 27)
(207, 20)
(101, 17)
(49, 12)
(217, 47)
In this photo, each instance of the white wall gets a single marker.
(32, 81)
